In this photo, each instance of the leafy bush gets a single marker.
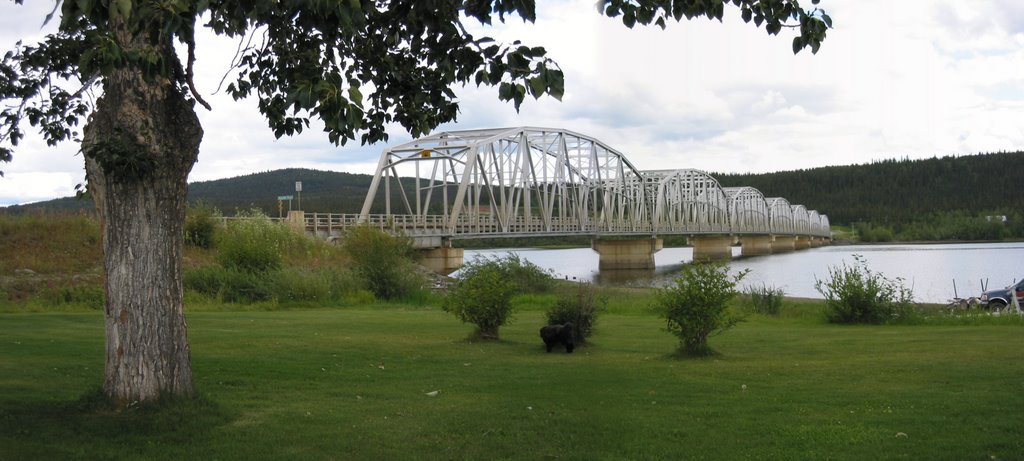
(253, 243)
(286, 285)
(318, 285)
(696, 306)
(384, 263)
(229, 284)
(854, 294)
(580, 306)
(526, 276)
(484, 299)
(201, 225)
(765, 300)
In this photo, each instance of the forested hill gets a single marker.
(891, 192)
(322, 191)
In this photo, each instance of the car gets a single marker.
(1000, 298)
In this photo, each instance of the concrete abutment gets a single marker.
(756, 245)
(783, 243)
(626, 254)
(711, 247)
(442, 260)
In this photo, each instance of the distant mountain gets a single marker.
(885, 192)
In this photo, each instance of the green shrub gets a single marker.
(854, 294)
(244, 286)
(80, 295)
(254, 243)
(696, 306)
(285, 285)
(580, 306)
(206, 280)
(484, 299)
(384, 263)
(201, 225)
(229, 284)
(765, 300)
(526, 276)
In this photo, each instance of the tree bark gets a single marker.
(139, 145)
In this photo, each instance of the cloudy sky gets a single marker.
(913, 78)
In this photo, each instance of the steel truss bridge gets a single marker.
(526, 181)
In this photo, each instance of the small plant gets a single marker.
(765, 300)
(696, 306)
(579, 306)
(525, 275)
(253, 243)
(484, 299)
(854, 294)
(385, 263)
(200, 225)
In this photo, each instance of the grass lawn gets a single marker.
(353, 384)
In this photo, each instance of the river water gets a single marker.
(929, 270)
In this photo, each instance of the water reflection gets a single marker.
(929, 270)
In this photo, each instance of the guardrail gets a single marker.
(487, 225)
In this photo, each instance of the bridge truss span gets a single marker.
(523, 181)
(513, 181)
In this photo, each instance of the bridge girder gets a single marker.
(528, 180)
(748, 210)
(516, 179)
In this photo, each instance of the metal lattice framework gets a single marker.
(542, 181)
(748, 211)
(686, 201)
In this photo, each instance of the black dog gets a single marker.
(555, 334)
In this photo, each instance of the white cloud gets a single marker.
(913, 78)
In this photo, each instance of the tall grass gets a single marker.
(764, 299)
(49, 244)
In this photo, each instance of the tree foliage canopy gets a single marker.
(355, 65)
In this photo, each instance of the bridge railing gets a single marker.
(485, 225)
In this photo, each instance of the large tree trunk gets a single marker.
(139, 146)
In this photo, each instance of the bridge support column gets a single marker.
(443, 260)
(802, 242)
(783, 243)
(709, 247)
(626, 254)
(297, 221)
(756, 245)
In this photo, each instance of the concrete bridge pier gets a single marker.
(802, 242)
(297, 220)
(756, 245)
(626, 254)
(783, 243)
(442, 260)
(710, 247)
(820, 241)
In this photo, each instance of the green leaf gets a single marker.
(629, 19)
(505, 91)
(355, 95)
(520, 94)
(798, 44)
(537, 86)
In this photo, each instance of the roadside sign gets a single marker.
(298, 186)
(285, 197)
